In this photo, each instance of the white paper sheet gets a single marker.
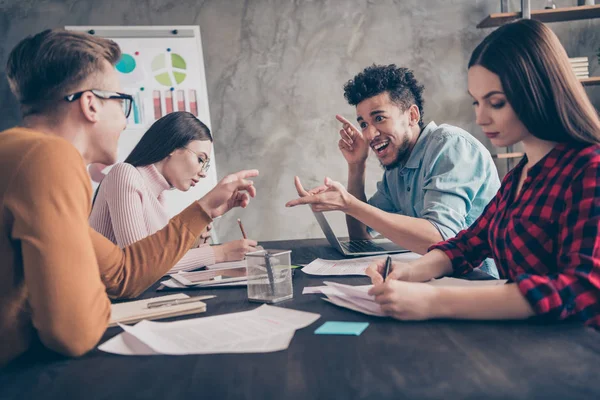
(223, 265)
(353, 297)
(227, 265)
(264, 329)
(354, 266)
(127, 345)
(313, 289)
(357, 298)
(344, 303)
(173, 284)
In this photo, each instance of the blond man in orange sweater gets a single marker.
(56, 273)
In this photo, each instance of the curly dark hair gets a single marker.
(400, 83)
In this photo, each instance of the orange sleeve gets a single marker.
(129, 271)
(50, 199)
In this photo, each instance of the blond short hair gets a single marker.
(45, 67)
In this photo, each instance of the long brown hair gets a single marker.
(538, 82)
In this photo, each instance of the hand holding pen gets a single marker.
(386, 271)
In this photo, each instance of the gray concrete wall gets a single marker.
(275, 71)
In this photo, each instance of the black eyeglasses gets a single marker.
(126, 99)
(205, 163)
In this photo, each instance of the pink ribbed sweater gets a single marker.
(130, 206)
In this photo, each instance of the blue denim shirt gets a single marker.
(448, 180)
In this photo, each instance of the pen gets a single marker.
(174, 302)
(270, 272)
(242, 229)
(388, 263)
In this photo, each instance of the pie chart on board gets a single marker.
(169, 69)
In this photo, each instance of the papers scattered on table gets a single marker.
(313, 289)
(218, 275)
(227, 265)
(134, 311)
(223, 265)
(357, 298)
(352, 297)
(354, 266)
(264, 329)
(216, 283)
(211, 276)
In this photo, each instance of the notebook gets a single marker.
(134, 311)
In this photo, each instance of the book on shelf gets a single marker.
(580, 65)
(581, 70)
(579, 60)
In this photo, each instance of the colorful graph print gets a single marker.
(132, 75)
(131, 71)
(126, 64)
(142, 73)
(169, 69)
(136, 115)
(167, 101)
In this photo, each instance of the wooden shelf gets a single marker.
(591, 81)
(555, 15)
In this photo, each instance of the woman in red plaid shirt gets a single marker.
(542, 228)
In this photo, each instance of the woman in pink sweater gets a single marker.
(130, 205)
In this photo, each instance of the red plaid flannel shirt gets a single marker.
(547, 240)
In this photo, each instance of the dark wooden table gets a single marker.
(390, 360)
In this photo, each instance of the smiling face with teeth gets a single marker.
(390, 131)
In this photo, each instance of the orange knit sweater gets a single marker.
(56, 273)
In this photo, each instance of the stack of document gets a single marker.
(134, 311)
(354, 266)
(218, 275)
(352, 297)
(264, 329)
(357, 298)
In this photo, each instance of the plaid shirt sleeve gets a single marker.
(573, 287)
(470, 247)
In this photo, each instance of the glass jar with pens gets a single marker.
(269, 276)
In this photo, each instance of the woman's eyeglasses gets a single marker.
(126, 99)
(201, 160)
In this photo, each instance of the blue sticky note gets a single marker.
(342, 328)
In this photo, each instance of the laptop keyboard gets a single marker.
(361, 246)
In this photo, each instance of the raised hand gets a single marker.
(328, 197)
(232, 191)
(352, 143)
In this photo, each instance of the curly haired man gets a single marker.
(437, 178)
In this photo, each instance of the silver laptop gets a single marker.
(355, 248)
